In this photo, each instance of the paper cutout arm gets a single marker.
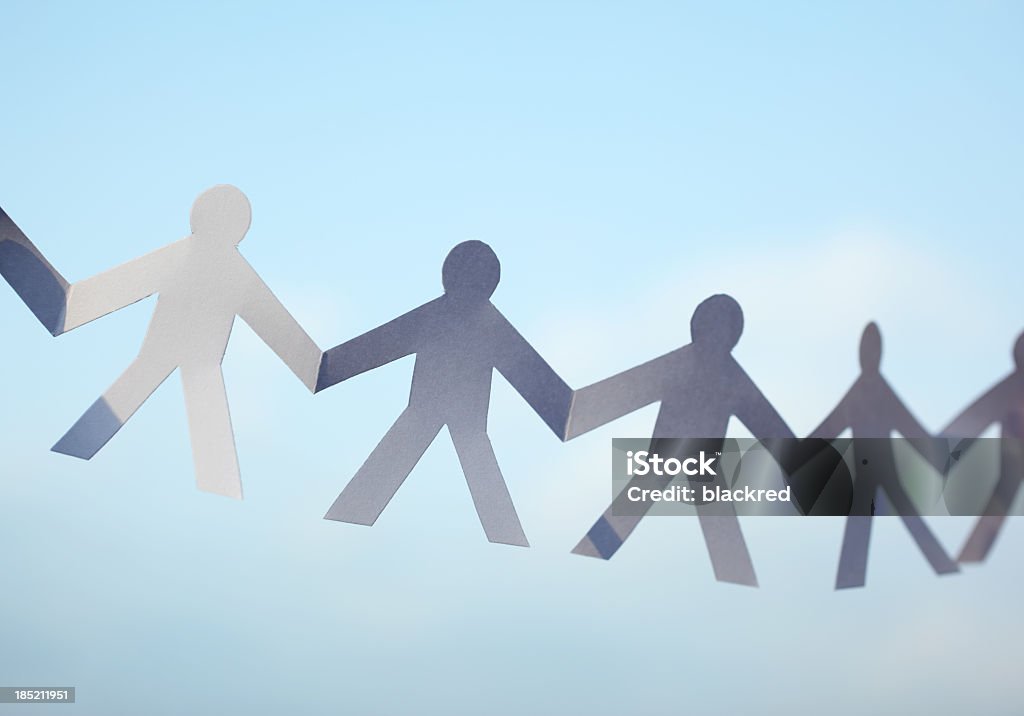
(380, 346)
(276, 327)
(539, 385)
(904, 422)
(834, 423)
(759, 415)
(934, 451)
(984, 411)
(122, 286)
(765, 423)
(614, 397)
(32, 277)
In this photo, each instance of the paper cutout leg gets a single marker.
(988, 527)
(608, 534)
(981, 539)
(853, 554)
(853, 558)
(113, 409)
(926, 541)
(730, 558)
(377, 481)
(209, 424)
(727, 549)
(490, 493)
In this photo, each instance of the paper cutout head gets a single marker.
(871, 349)
(717, 324)
(471, 270)
(221, 213)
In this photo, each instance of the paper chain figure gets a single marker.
(700, 386)
(871, 409)
(459, 339)
(1003, 404)
(203, 283)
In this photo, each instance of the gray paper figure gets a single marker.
(700, 387)
(203, 282)
(459, 339)
(39, 284)
(871, 409)
(1003, 404)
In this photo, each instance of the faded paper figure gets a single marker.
(872, 409)
(1002, 405)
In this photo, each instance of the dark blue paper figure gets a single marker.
(31, 276)
(458, 339)
(700, 387)
(871, 409)
(1002, 404)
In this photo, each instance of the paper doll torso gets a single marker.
(870, 406)
(698, 396)
(198, 300)
(455, 359)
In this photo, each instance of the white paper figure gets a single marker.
(873, 412)
(1003, 404)
(459, 339)
(203, 282)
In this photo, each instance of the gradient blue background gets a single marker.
(826, 164)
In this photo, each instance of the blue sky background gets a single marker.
(825, 164)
